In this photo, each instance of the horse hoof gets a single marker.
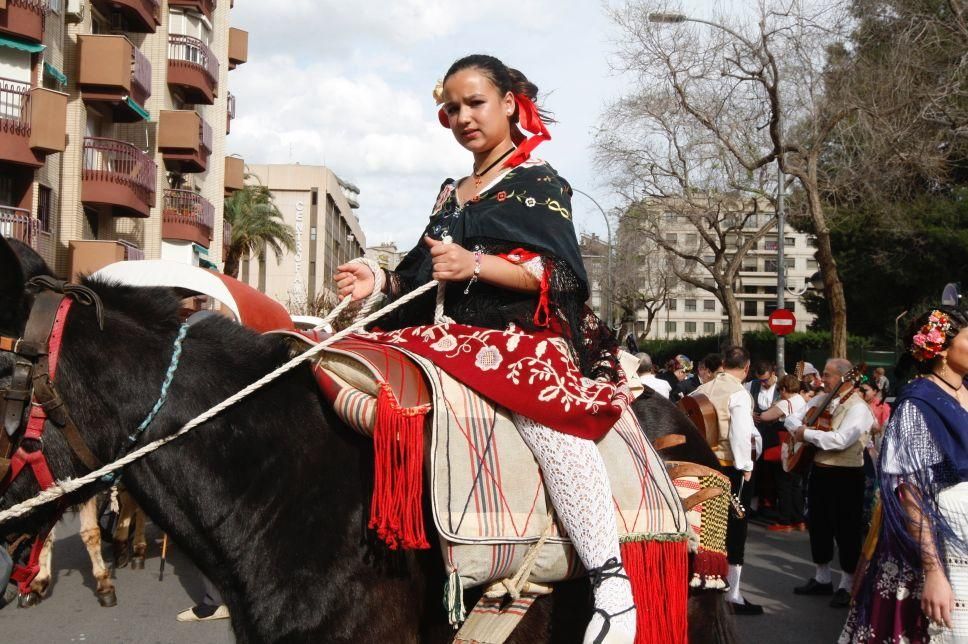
(107, 599)
(30, 600)
(137, 563)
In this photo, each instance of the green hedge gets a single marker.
(811, 346)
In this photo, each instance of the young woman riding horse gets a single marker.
(502, 241)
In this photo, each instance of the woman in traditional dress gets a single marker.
(916, 585)
(502, 242)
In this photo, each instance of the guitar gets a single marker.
(796, 456)
(699, 409)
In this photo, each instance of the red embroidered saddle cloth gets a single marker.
(488, 501)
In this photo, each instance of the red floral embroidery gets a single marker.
(501, 196)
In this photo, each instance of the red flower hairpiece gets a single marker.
(929, 341)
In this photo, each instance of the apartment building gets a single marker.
(387, 255)
(691, 312)
(320, 206)
(113, 124)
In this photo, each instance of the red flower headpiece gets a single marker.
(529, 120)
(929, 341)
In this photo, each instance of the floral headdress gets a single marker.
(930, 339)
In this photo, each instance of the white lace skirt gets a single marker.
(953, 503)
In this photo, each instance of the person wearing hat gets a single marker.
(676, 371)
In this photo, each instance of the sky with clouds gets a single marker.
(348, 85)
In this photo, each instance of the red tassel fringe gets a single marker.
(659, 573)
(396, 512)
(709, 570)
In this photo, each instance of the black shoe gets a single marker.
(814, 587)
(841, 599)
(746, 608)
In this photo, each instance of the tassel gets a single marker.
(709, 569)
(454, 599)
(396, 511)
(658, 572)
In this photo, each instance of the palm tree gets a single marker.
(256, 224)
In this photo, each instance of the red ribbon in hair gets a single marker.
(529, 120)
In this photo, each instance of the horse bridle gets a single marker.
(32, 388)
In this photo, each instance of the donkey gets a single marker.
(269, 498)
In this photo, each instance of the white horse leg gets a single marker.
(91, 535)
(126, 510)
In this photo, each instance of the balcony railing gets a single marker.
(131, 252)
(226, 234)
(188, 208)
(120, 162)
(193, 50)
(16, 223)
(14, 107)
(230, 105)
(140, 75)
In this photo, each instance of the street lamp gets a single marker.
(607, 303)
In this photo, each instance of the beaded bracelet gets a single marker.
(477, 271)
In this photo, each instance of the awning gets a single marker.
(201, 250)
(137, 109)
(13, 43)
(55, 73)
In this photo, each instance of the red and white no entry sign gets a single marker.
(782, 322)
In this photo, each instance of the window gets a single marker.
(710, 282)
(670, 326)
(671, 217)
(45, 207)
(314, 197)
(748, 289)
(709, 305)
(749, 264)
(770, 244)
(671, 239)
(692, 239)
(790, 262)
(709, 328)
(789, 241)
(690, 327)
(750, 308)
(769, 265)
(709, 259)
(812, 264)
(769, 290)
(690, 305)
(671, 304)
(769, 307)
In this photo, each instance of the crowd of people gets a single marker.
(884, 490)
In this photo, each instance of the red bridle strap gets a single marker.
(37, 461)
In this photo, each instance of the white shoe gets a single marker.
(189, 615)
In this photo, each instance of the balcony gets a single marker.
(238, 47)
(86, 256)
(234, 174)
(193, 69)
(206, 7)
(33, 123)
(229, 112)
(226, 238)
(16, 223)
(116, 75)
(118, 178)
(23, 18)
(184, 140)
(140, 16)
(187, 216)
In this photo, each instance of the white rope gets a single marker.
(369, 304)
(439, 317)
(62, 488)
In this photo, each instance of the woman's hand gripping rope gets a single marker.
(62, 488)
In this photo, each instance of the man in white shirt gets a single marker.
(738, 447)
(835, 494)
(648, 378)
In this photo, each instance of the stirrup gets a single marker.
(608, 570)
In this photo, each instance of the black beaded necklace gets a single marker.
(950, 386)
(477, 175)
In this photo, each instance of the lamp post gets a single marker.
(607, 301)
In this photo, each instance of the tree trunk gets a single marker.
(734, 317)
(232, 263)
(833, 288)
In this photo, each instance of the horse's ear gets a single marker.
(11, 290)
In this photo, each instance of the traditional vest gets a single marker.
(852, 455)
(719, 390)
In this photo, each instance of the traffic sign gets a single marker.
(782, 322)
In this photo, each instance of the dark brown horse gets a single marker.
(269, 498)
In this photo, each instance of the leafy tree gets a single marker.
(257, 224)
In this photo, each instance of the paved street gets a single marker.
(146, 607)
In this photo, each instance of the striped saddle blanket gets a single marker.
(487, 498)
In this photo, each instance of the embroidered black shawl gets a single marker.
(529, 208)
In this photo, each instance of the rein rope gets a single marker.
(62, 488)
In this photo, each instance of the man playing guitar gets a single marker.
(835, 493)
